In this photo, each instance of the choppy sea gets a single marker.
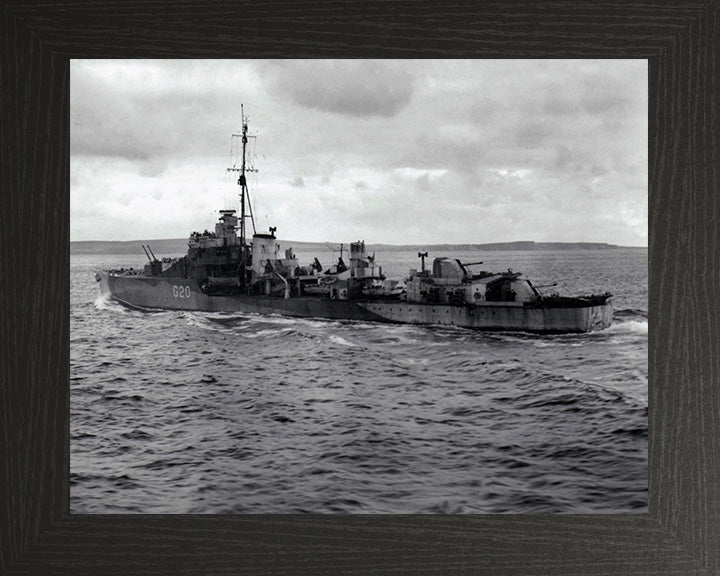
(191, 412)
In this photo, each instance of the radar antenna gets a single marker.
(422, 256)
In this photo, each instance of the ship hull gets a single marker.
(499, 316)
(153, 292)
(150, 292)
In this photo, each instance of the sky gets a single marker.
(386, 151)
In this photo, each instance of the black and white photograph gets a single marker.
(359, 286)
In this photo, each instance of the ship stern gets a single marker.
(600, 316)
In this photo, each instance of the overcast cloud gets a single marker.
(392, 151)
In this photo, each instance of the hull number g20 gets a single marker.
(181, 291)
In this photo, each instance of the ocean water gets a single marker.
(190, 412)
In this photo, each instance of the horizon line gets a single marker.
(394, 245)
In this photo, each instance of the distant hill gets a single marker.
(166, 247)
(178, 246)
(519, 245)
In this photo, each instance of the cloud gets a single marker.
(532, 134)
(148, 110)
(389, 151)
(357, 88)
(138, 206)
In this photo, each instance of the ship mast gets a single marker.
(242, 182)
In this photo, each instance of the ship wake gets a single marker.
(627, 327)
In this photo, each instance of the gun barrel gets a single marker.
(146, 252)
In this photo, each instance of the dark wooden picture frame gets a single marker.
(681, 532)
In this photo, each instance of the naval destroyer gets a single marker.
(229, 270)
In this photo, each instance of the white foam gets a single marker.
(102, 301)
(628, 327)
(412, 361)
(198, 321)
(268, 332)
(105, 302)
(280, 320)
(340, 340)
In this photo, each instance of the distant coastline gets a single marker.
(178, 246)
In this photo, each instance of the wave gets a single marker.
(269, 332)
(200, 320)
(340, 340)
(627, 327)
(103, 302)
(630, 313)
(226, 319)
(279, 319)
